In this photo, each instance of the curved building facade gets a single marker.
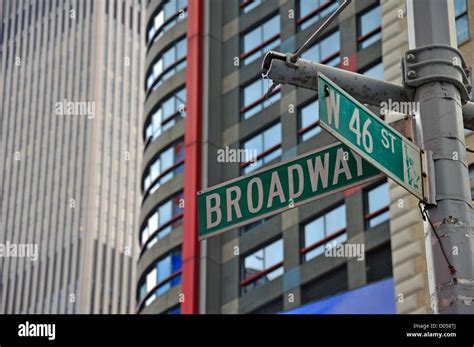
(160, 266)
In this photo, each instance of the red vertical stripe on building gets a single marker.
(192, 168)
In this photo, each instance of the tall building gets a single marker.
(205, 93)
(71, 101)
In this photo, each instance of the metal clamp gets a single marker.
(428, 177)
(436, 63)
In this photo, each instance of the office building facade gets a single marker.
(70, 113)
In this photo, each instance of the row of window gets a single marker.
(164, 219)
(369, 23)
(325, 51)
(162, 276)
(166, 272)
(167, 113)
(266, 263)
(266, 144)
(169, 14)
(310, 12)
(253, 97)
(258, 40)
(164, 167)
(248, 5)
(168, 63)
(254, 43)
(266, 35)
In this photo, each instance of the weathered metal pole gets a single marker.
(435, 71)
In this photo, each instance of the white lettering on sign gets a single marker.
(233, 202)
(258, 182)
(341, 167)
(332, 103)
(292, 194)
(275, 190)
(318, 170)
(388, 144)
(366, 136)
(213, 209)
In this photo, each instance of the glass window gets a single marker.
(253, 100)
(375, 71)
(169, 63)
(165, 274)
(378, 200)
(325, 51)
(267, 147)
(311, 11)
(153, 223)
(324, 231)
(151, 279)
(165, 218)
(258, 41)
(171, 13)
(255, 224)
(248, 5)
(370, 24)
(309, 121)
(262, 266)
(167, 114)
(462, 23)
(166, 165)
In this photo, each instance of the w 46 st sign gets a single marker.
(366, 134)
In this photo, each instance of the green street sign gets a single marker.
(366, 134)
(280, 187)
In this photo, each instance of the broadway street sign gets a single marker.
(366, 134)
(280, 187)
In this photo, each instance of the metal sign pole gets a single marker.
(435, 71)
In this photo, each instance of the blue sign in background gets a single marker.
(375, 298)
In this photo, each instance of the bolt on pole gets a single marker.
(439, 78)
